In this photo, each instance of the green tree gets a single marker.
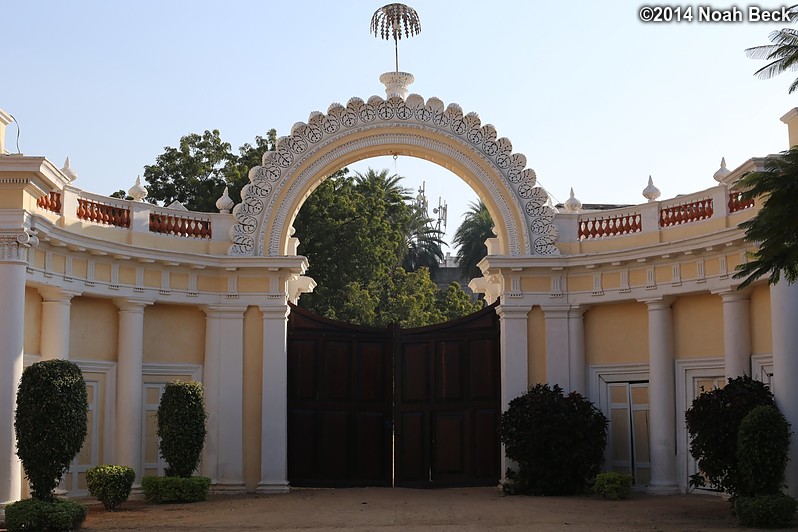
(423, 242)
(774, 228)
(476, 228)
(194, 173)
(454, 303)
(782, 54)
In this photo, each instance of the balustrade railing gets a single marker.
(51, 202)
(186, 226)
(738, 203)
(685, 212)
(103, 213)
(606, 226)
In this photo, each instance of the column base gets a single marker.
(228, 489)
(663, 489)
(266, 487)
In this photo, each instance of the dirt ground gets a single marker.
(416, 510)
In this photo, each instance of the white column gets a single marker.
(274, 428)
(661, 390)
(784, 323)
(736, 333)
(129, 393)
(223, 374)
(13, 254)
(576, 350)
(54, 336)
(514, 340)
(557, 353)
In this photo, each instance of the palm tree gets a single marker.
(477, 227)
(774, 228)
(424, 244)
(782, 54)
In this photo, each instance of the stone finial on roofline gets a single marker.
(137, 191)
(572, 205)
(722, 172)
(68, 171)
(651, 193)
(225, 203)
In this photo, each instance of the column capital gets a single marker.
(224, 311)
(506, 311)
(14, 245)
(56, 294)
(658, 303)
(128, 304)
(732, 294)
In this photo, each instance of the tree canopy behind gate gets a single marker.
(370, 248)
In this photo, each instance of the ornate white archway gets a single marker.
(521, 211)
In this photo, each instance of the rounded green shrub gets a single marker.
(766, 511)
(110, 484)
(713, 421)
(159, 490)
(35, 514)
(51, 422)
(181, 427)
(763, 443)
(557, 440)
(613, 485)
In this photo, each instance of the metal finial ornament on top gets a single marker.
(393, 20)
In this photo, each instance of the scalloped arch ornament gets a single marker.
(287, 175)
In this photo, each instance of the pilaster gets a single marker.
(223, 375)
(557, 352)
(274, 428)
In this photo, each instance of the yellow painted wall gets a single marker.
(698, 326)
(94, 329)
(761, 338)
(536, 325)
(253, 370)
(536, 284)
(174, 334)
(616, 333)
(33, 321)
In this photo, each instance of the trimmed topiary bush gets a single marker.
(765, 511)
(175, 489)
(181, 427)
(557, 441)
(613, 485)
(763, 443)
(713, 422)
(50, 422)
(35, 514)
(110, 484)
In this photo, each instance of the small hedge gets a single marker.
(181, 427)
(159, 490)
(110, 484)
(765, 511)
(763, 444)
(557, 441)
(613, 485)
(50, 422)
(35, 514)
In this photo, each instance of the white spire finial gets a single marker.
(137, 191)
(651, 193)
(68, 171)
(225, 204)
(572, 205)
(723, 172)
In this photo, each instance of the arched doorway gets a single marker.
(414, 127)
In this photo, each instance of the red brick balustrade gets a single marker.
(167, 224)
(737, 203)
(51, 202)
(102, 213)
(686, 213)
(623, 224)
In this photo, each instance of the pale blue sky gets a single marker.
(593, 97)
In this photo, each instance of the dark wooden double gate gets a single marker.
(381, 407)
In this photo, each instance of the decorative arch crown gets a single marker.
(291, 170)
